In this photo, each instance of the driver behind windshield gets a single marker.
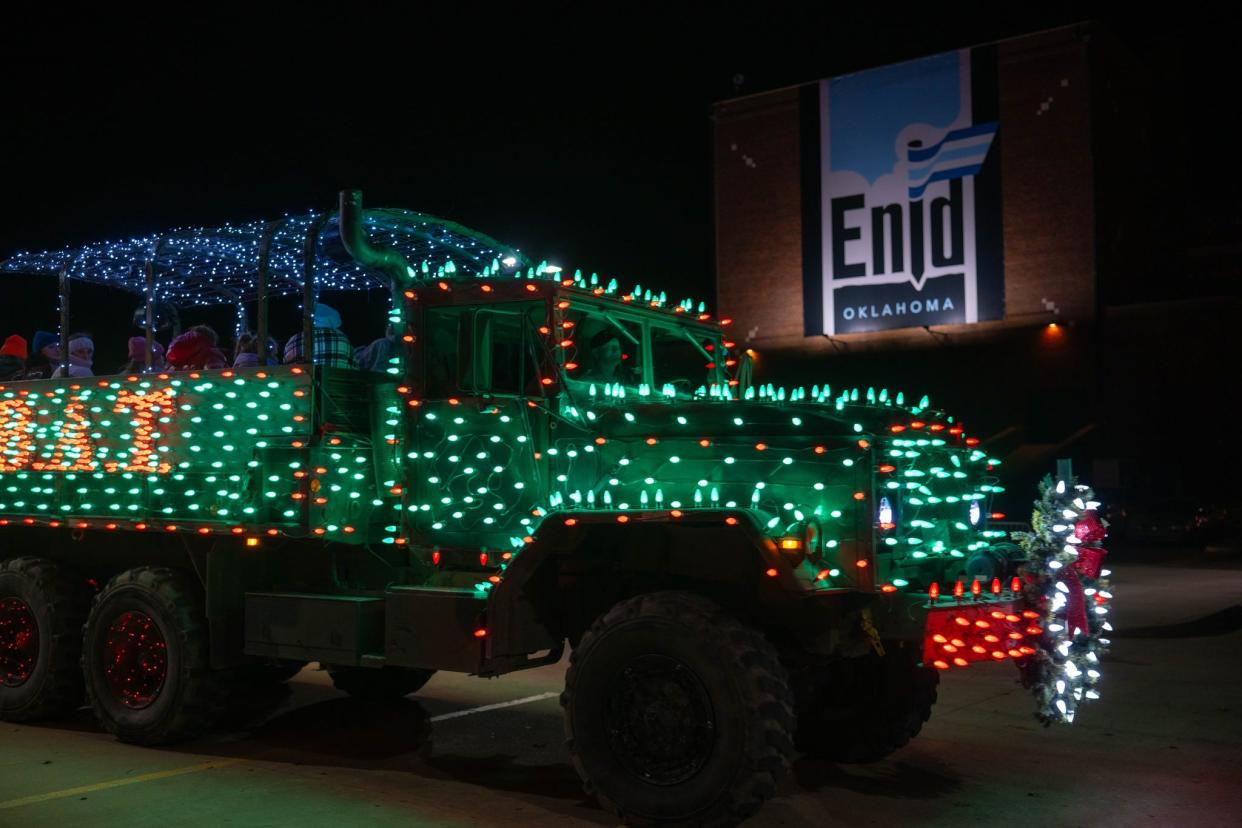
(607, 364)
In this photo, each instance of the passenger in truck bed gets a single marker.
(81, 358)
(13, 358)
(376, 356)
(196, 349)
(138, 356)
(331, 346)
(44, 355)
(247, 352)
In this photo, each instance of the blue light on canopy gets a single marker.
(219, 265)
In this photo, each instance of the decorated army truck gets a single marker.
(544, 459)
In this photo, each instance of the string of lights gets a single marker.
(219, 265)
(1070, 591)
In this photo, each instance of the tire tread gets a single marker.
(770, 749)
(204, 690)
(62, 692)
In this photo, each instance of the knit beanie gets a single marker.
(14, 346)
(42, 339)
(79, 343)
(326, 316)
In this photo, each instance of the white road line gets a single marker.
(497, 706)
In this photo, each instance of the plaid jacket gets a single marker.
(331, 348)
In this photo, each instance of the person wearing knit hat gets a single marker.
(81, 358)
(246, 354)
(14, 346)
(195, 350)
(138, 356)
(329, 345)
(43, 339)
(13, 358)
(44, 355)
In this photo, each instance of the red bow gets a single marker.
(1076, 606)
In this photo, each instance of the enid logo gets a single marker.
(909, 206)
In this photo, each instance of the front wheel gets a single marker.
(677, 712)
(146, 661)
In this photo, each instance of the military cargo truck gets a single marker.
(547, 460)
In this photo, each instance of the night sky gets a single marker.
(580, 134)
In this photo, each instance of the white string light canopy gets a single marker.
(220, 265)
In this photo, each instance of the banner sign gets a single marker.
(908, 213)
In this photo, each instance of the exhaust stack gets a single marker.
(354, 237)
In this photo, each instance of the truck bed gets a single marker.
(276, 450)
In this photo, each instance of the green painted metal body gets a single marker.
(488, 468)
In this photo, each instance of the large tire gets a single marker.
(382, 684)
(145, 657)
(677, 712)
(863, 709)
(41, 615)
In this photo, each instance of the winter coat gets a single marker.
(75, 370)
(11, 367)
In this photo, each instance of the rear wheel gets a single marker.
(145, 659)
(863, 709)
(41, 614)
(379, 684)
(677, 712)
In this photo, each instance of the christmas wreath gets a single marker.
(1063, 581)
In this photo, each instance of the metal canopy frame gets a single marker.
(238, 263)
(235, 264)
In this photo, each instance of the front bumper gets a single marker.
(960, 634)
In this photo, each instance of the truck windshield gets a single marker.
(681, 360)
(602, 348)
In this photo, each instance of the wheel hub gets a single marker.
(661, 725)
(19, 641)
(135, 659)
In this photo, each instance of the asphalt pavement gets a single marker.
(1163, 746)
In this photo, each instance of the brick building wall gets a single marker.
(759, 215)
(1046, 192)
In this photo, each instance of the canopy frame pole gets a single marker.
(308, 287)
(241, 322)
(265, 247)
(64, 319)
(149, 320)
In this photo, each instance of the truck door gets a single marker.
(481, 431)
